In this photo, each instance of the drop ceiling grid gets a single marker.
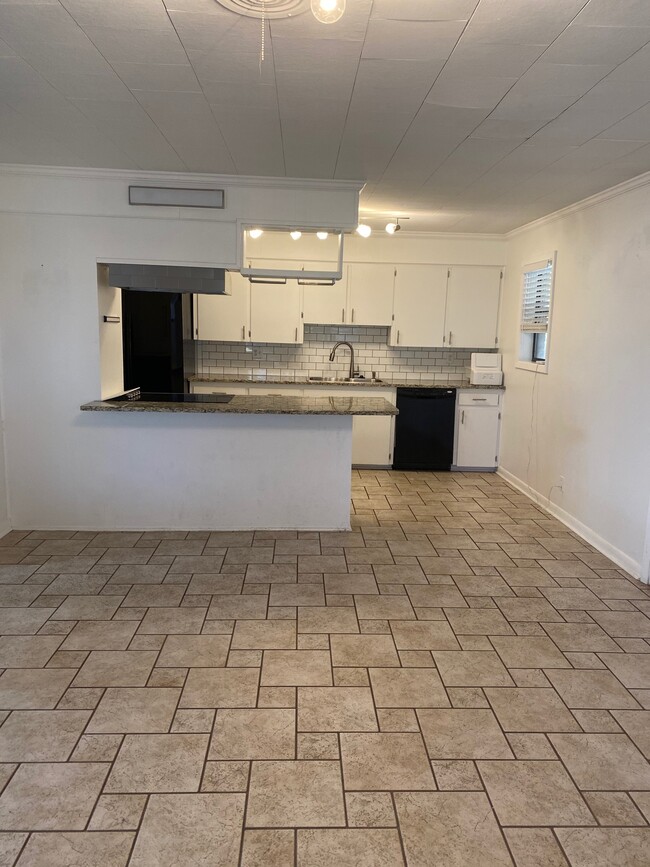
(467, 114)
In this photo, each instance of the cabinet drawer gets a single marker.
(478, 398)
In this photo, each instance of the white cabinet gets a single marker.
(370, 294)
(419, 305)
(217, 388)
(275, 313)
(324, 305)
(472, 306)
(224, 317)
(478, 420)
(372, 435)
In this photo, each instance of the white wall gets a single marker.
(4, 507)
(588, 419)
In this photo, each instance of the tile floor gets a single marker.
(458, 681)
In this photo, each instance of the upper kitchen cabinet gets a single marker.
(324, 304)
(419, 306)
(224, 317)
(275, 313)
(472, 306)
(370, 294)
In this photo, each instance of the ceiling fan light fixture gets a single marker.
(364, 230)
(328, 11)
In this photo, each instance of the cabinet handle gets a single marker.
(343, 314)
(398, 337)
(450, 338)
(296, 337)
(353, 314)
(462, 417)
(479, 398)
(243, 332)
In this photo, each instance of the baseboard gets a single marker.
(615, 554)
(4, 529)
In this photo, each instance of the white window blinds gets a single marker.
(536, 303)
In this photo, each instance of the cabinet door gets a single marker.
(478, 436)
(472, 306)
(324, 305)
(419, 305)
(370, 299)
(275, 313)
(224, 317)
(372, 435)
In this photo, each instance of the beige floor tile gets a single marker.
(534, 793)
(116, 668)
(201, 564)
(117, 813)
(78, 849)
(194, 721)
(100, 635)
(363, 650)
(172, 621)
(220, 687)
(529, 652)
(349, 847)
(370, 810)
(603, 761)
(297, 668)
(51, 796)
(225, 776)
(238, 607)
(158, 763)
(305, 794)
(181, 829)
(334, 709)
(632, 669)
(10, 846)
(459, 827)
(23, 621)
(427, 635)
(196, 651)
(217, 585)
(637, 725)
(623, 624)
(268, 733)
(135, 710)
(475, 621)
(27, 651)
(531, 745)
(568, 598)
(463, 734)
(33, 688)
(97, 748)
(614, 808)
(264, 635)
(317, 745)
(456, 776)
(589, 637)
(268, 848)
(471, 668)
(41, 736)
(385, 761)
(384, 608)
(297, 594)
(351, 584)
(526, 576)
(535, 847)
(88, 608)
(436, 596)
(327, 620)
(529, 609)
(407, 687)
(482, 585)
(591, 689)
(603, 847)
(531, 710)
(397, 720)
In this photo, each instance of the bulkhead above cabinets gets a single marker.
(292, 253)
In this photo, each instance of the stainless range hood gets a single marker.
(168, 278)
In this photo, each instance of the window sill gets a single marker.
(534, 366)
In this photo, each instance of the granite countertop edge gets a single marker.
(369, 383)
(252, 405)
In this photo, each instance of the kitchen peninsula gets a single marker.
(269, 462)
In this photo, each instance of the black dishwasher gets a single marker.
(424, 429)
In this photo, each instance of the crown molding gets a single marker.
(621, 189)
(196, 179)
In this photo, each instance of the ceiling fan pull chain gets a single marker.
(263, 38)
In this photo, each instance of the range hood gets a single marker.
(168, 278)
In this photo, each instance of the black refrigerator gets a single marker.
(152, 332)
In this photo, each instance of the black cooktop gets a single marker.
(172, 397)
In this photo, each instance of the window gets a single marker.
(535, 323)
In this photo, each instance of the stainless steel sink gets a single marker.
(346, 380)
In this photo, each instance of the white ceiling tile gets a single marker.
(483, 58)
(102, 87)
(134, 15)
(521, 105)
(635, 126)
(498, 128)
(410, 40)
(26, 24)
(17, 77)
(254, 138)
(471, 159)
(514, 21)
(424, 10)
(596, 45)
(128, 124)
(242, 69)
(635, 68)
(366, 148)
(137, 46)
(628, 13)
(385, 86)
(544, 77)
(189, 125)
(51, 58)
(474, 92)
(5, 50)
(241, 96)
(200, 31)
(352, 26)
(158, 76)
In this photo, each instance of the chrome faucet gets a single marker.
(351, 348)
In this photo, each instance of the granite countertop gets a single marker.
(265, 405)
(369, 383)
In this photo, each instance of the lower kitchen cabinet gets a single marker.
(478, 422)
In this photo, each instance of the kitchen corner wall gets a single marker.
(399, 364)
(5, 525)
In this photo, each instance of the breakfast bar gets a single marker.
(246, 463)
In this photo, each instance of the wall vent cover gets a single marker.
(266, 8)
